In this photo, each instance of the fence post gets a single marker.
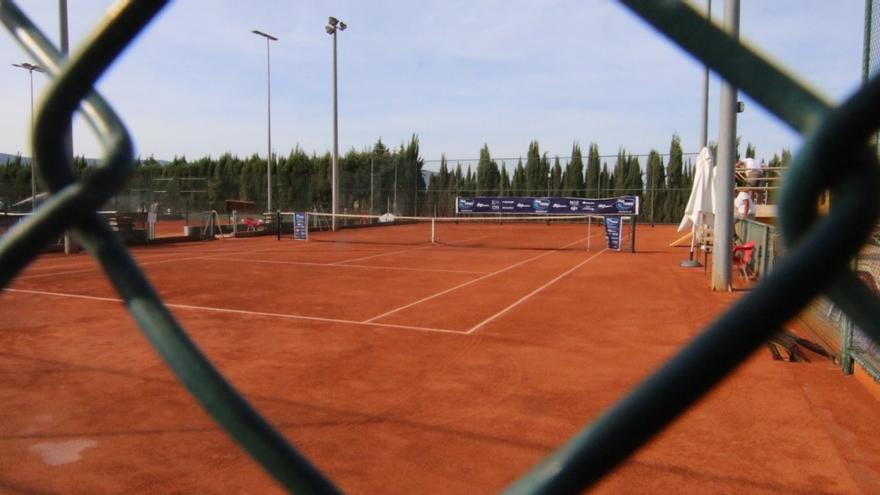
(846, 359)
(765, 251)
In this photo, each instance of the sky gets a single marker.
(459, 74)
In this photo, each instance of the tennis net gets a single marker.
(558, 232)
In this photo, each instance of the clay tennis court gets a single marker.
(404, 368)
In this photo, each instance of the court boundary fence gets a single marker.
(822, 318)
(819, 250)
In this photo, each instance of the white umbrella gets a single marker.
(700, 209)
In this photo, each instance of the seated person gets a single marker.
(744, 208)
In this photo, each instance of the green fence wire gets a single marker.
(817, 260)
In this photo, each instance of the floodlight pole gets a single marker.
(69, 246)
(269, 38)
(704, 121)
(722, 257)
(334, 25)
(31, 68)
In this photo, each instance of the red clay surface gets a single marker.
(403, 369)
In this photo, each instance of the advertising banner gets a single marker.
(300, 226)
(623, 205)
(612, 232)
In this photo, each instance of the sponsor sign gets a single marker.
(612, 232)
(300, 226)
(623, 205)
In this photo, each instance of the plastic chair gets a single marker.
(252, 224)
(742, 257)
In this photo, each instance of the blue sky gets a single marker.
(457, 73)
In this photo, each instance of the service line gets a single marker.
(336, 265)
(465, 284)
(379, 255)
(527, 296)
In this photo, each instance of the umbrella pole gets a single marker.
(693, 241)
(691, 262)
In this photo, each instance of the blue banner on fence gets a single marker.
(612, 232)
(300, 226)
(623, 205)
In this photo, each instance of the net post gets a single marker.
(433, 221)
(632, 234)
(589, 232)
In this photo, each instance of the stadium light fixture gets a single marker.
(31, 68)
(269, 38)
(334, 25)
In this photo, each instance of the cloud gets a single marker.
(458, 73)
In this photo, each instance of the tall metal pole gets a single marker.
(65, 49)
(334, 25)
(269, 38)
(33, 160)
(31, 68)
(704, 121)
(68, 139)
(334, 175)
(721, 260)
(269, 128)
(371, 184)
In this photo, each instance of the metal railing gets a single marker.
(819, 250)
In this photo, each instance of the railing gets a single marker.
(819, 250)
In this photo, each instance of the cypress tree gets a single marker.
(519, 185)
(488, 176)
(556, 177)
(634, 183)
(593, 166)
(534, 173)
(574, 174)
(677, 195)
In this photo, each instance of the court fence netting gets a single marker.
(541, 232)
(823, 319)
(838, 135)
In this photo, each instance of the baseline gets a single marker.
(241, 312)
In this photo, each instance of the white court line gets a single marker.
(242, 312)
(147, 256)
(405, 250)
(45, 267)
(539, 289)
(379, 255)
(471, 282)
(172, 259)
(334, 265)
(99, 268)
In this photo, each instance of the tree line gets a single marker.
(384, 179)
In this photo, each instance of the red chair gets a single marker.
(742, 257)
(252, 224)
